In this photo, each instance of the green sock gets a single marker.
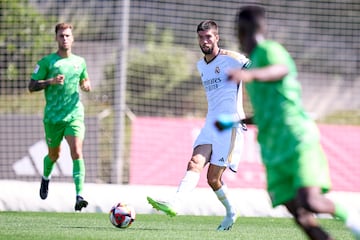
(79, 175)
(48, 167)
(340, 212)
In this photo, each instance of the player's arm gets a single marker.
(266, 74)
(37, 85)
(84, 82)
(85, 85)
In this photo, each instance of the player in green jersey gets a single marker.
(60, 74)
(296, 167)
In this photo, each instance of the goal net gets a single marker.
(147, 103)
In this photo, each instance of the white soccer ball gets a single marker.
(122, 215)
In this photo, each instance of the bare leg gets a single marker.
(307, 202)
(75, 144)
(201, 156)
(214, 175)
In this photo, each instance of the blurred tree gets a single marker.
(154, 73)
(25, 36)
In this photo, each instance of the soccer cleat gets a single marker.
(44, 188)
(227, 223)
(162, 206)
(80, 203)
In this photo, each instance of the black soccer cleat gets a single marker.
(44, 188)
(80, 203)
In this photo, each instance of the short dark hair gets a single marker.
(207, 25)
(62, 26)
(251, 15)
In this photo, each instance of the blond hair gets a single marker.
(62, 26)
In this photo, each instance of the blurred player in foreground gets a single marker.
(220, 150)
(60, 74)
(296, 167)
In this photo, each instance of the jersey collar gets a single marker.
(213, 58)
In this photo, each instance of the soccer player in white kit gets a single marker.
(220, 149)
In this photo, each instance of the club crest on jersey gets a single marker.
(76, 67)
(217, 70)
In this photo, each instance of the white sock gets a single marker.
(222, 195)
(187, 184)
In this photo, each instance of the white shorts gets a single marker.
(226, 145)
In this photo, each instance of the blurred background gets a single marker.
(148, 104)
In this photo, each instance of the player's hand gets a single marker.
(85, 85)
(237, 75)
(59, 79)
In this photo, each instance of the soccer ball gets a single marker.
(122, 215)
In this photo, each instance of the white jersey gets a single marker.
(223, 96)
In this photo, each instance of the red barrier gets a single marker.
(161, 148)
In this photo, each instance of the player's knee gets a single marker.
(310, 202)
(76, 154)
(196, 163)
(54, 155)
(214, 182)
(304, 218)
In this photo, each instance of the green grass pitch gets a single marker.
(48, 225)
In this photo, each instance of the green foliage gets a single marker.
(161, 78)
(95, 20)
(25, 36)
(156, 74)
(56, 226)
